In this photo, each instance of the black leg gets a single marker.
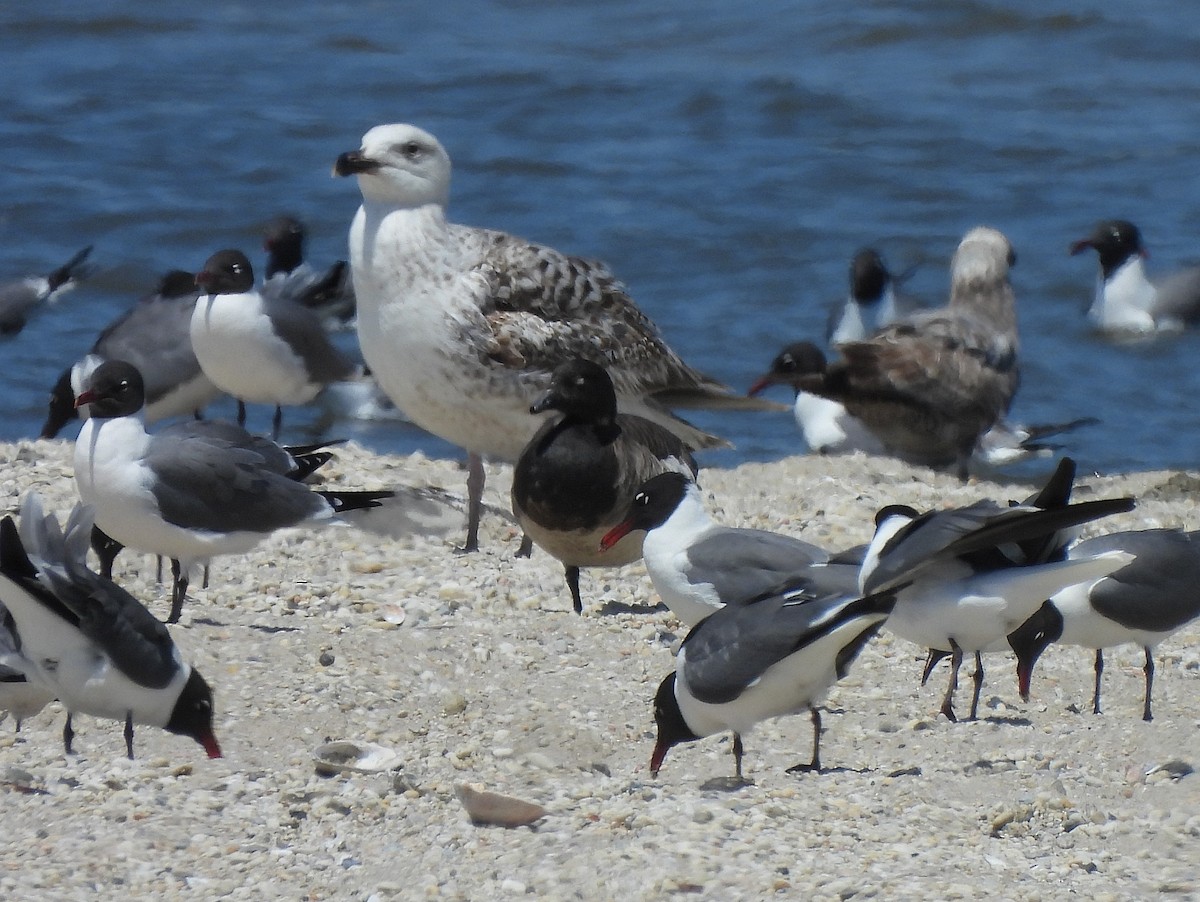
(955, 664)
(158, 569)
(1149, 671)
(814, 766)
(935, 655)
(475, 480)
(68, 734)
(738, 751)
(1099, 670)
(179, 586)
(526, 548)
(573, 585)
(204, 583)
(129, 734)
(241, 414)
(107, 548)
(277, 423)
(977, 679)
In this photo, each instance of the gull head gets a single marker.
(983, 255)
(400, 165)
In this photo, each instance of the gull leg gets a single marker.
(68, 735)
(737, 756)
(526, 548)
(955, 664)
(573, 585)
(241, 414)
(935, 655)
(276, 423)
(179, 586)
(129, 734)
(977, 679)
(1149, 671)
(815, 765)
(475, 480)
(1096, 692)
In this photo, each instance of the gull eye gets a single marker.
(411, 149)
(641, 499)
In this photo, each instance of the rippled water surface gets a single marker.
(726, 159)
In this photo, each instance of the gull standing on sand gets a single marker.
(576, 477)
(1144, 602)
(90, 643)
(259, 349)
(463, 326)
(930, 386)
(185, 498)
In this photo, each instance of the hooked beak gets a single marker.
(352, 162)
(542, 404)
(1024, 678)
(85, 397)
(209, 741)
(614, 535)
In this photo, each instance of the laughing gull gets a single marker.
(1144, 602)
(1126, 300)
(576, 477)
(20, 297)
(19, 695)
(698, 566)
(872, 302)
(774, 655)
(462, 326)
(930, 386)
(288, 275)
(183, 498)
(153, 335)
(88, 641)
(974, 574)
(258, 349)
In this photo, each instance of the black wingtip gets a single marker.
(1057, 490)
(14, 562)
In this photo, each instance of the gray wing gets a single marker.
(744, 563)
(304, 334)
(215, 485)
(116, 622)
(731, 649)
(1160, 589)
(17, 299)
(224, 434)
(154, 336)
(1178, 295)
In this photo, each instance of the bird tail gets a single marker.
(72, 270)
(354, 501)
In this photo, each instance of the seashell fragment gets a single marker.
(348, 756)
(484, 807)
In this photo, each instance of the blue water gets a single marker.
(726, 160)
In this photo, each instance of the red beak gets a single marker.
(1024, 678)
(1080, 246)
(209, 741)
(656, 760)
(86, 397)
(759, 384)
(616, 534)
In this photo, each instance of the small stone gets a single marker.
(326, 659)
(453, 702)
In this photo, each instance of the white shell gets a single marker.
(351, 757)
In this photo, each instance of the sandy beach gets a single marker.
(473, 669)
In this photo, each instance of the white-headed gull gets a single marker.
(88, 641)
(576, 477)
(463, 326)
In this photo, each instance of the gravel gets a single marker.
(475, 671)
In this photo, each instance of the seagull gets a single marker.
(871, 303)
(20, 297)
(258, 349)
(184, 498)
(576, 477)
(154, 336)
(972, 575)
(698, 566)
(462, 326)
(88, 641)
(773, 655)
(1144, 602)
(1126, 300)
(930, 386)
(19, 695)
(288, 275)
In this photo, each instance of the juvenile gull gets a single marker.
(930, 386)
(20, 297)
(698, 566)
(183, 498)
(1126, 299)
(463, 326)
(578, 474)
(153, 335)
(1144, 602)
(260, 349)
(88, 641)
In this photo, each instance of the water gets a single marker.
(725, 159)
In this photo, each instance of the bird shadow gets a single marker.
(725, 784)
(261, 627)
(611, 608)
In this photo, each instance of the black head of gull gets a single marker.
(652, 506)
(114, 390)
(1143, 603)
(790, 366)
(869, 276)
(283, 240)
(576, 477)
(1115, 241)
(88, 640)
(226, 272)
